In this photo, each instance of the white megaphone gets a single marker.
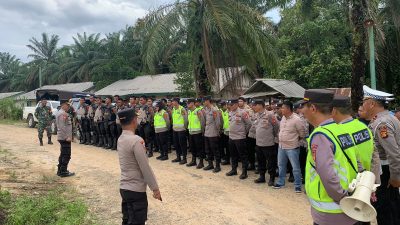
(358, 205)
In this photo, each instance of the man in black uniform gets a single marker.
(83, 122)
(109, 125)
(93, 136)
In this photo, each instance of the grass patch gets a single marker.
(9, 121)
(58, 207)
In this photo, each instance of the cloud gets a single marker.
(22, 19)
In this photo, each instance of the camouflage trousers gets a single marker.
(42, 127)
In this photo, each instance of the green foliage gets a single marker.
(8, 110)
(184, 77)
(52, 208)
(5, 200)
(315, 52)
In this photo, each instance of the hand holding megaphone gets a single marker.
(358, 205)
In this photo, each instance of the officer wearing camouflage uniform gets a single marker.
(44, 115)
(386, 134)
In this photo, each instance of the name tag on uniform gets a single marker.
(361, 136)
(346, 141)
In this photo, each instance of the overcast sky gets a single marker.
(22, 19)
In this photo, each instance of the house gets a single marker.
(29, 98)
(9, 94)
(274, 88)
(161, 85)
(232, 82)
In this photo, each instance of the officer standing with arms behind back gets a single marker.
(328, 171)
(44, 115)
(386, 133)
(64, 136)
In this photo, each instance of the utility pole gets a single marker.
(370, 26)
(40, 76)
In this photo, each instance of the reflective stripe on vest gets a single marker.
(177, 118)
(319, 198)
(159, 121)
(194, 122)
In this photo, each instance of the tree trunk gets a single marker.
(202, 87)
(358, 52)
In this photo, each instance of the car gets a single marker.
(29, 114)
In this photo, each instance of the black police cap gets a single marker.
(322, 96)
(341, 101)
(233, 101)
(190, 100)
(258, 101)
(126, 114)
(198, 100)
(176, 100)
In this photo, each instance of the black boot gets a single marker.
(81, 138)
(217, 167)
(233, 172)
(159, 157)
(210, 165)
(58, 170)
(41, 141)
(244, 174)
(184, 161)
(164, 157)
(178, 159)
(261, 179)
(100, 143)
(95, 139)
(114, 144)
(192, 163)
(66, 174)
(49, 141)
(109, 144)
(88, 141)
(150, 153)
(271, 181)
(225, 162)
(200, 165)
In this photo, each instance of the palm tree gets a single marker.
(86, 55)
(9, 68)
(217, 33)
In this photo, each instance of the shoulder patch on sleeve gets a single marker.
(383, 131)
(314, 148)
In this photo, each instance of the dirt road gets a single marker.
(190, 196)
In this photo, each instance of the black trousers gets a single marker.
(134, 207)
(196, 146)
(101, 129)
(65, 155)
(212, 149)
(267, 158)
(180, 142)
(224, 147)
(84, 125)
(251, 149)
(388, 204)
(238, 149)
(162, 140)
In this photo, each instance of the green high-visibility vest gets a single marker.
(177, 118)
(318, 197)
(159, 121)
(194, 122)
(225, 117)
(362, 137)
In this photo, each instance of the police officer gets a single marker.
(386, 134)
(136, 173)
(195, 134)
(251, 138)
(64, 136)
(93, 136)
(161, 126)
(267, 127)
(120, 106)
(211, 121)
(239, 125)
(44, 115)
(224, 139)
(99, 122)
(144, 119)
(179, 124)
(331, 161)
(83, 121)
(110, 140)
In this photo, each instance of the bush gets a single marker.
(8, 110)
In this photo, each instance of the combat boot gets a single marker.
(114, 144)
(87, 142)
(233, 172)
(217, 167)
(49, 141)
(150, 154)
(58, 170)
(109, 143)
(261, 179)
(159, 157)
(178, 159)
(271, 181)
(165, 157)
(41, 141)
(192, 163)
(81, 138)
(200, 165)
(94, 140)
(210, 165)
(183, 161)
(244, 174)
(66, 174)
(100, 143)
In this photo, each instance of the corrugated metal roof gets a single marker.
(148, 84)
(79, 87)
(287, 88)
(9, 94)
(260, 94)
